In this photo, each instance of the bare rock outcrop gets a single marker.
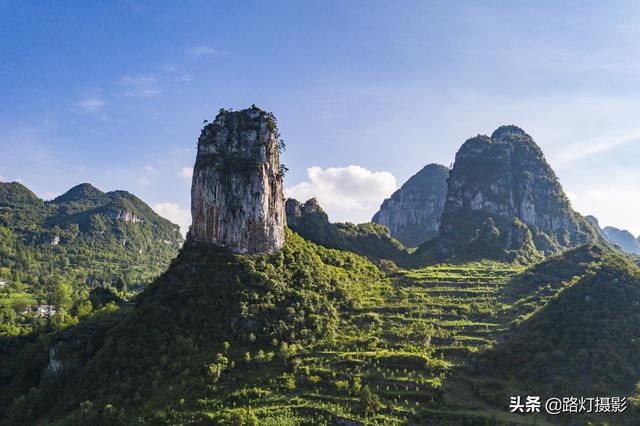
(413, 212)
(237, 194)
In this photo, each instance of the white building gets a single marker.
(45, 310)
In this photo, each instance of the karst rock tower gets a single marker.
(237, 193)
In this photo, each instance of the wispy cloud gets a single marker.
(91, 104)
(597, 146)
(201, 51)
(175, 214)
(139, 86)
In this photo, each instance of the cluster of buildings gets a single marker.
(39, 310)
(44, 310)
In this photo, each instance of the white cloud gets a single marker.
(3, 179)
(50, 195)
(143, 181)
(201, 51)
(92, 104)
(186, 172)
(175, 214)
(350, 193)
(613, 206)
(150, 169)
(139, 86)
(599, 145)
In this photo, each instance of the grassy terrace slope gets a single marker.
(390, 361)
(313, 336)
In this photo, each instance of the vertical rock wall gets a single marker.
(237, 195)
(413, 212)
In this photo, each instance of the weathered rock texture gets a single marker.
(413, 212)
(505, 201)
(236, 196)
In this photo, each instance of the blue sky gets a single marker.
(366, 93)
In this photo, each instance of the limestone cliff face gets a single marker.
(413, 212)
(236, 195)
(503, 182)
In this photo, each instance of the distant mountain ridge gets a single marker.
(501, 200)
(83, 201)
(619, 237)
(93, 230)
(413, 212)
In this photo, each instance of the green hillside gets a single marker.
(212, 317)
(318, 336)
(55, 252)
(585, 338)
(366, 239)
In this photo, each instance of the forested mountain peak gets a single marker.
(82, 193)
(81, 240)
(509, 130)
(504, 201)
(14, 194)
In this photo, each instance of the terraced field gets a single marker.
(406, 342)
